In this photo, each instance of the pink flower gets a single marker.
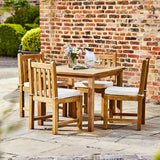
(80, 54)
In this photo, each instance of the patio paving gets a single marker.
(120, 141)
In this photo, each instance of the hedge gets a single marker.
(10, 38)
(36, 21)
(26, 15)
(31, 40)
(30, 26)
(10, 19)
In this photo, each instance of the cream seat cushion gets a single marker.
(66, 93)
(98, 84)
(59, 83)
(26, 84)
(126, 91)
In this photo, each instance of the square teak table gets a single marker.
(91, 75)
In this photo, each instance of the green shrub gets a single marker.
(9, 20)
(31, 40)
(36, 21)
(157, 156)
(26, 15)
(10, 38)
(30, 26)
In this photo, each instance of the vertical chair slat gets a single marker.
(35, 82)
(44, 83)
(49, 83)
(109, 62)
(25, 71)
(39, 82)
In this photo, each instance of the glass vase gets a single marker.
(71, 62)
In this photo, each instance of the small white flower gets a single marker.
(66, 51)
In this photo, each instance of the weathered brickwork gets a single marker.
(131, 28)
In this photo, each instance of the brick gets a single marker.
(61, 7)
(135, 47)
(118, 38)
(133, 56)
(156, 48)
(152, 43)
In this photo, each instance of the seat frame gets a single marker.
(140, 98)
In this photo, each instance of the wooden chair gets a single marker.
(100, 85)
(24, 79)
(42, 76)
(127, 94)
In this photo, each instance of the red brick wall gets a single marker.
(131, 28)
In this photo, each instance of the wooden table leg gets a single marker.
(119, 83)
(91, 105)
(72, 106)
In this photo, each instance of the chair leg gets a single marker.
(105, 118)
(74, 110)
(143, 110)
(139, 120)
(21, 102)
(41, 111)
(102, 106)
(79, 113)
(54, 117)
(111, 109)
(64, 109)
(70, 109)
(31, 112)
(119, 107)
(85, 102)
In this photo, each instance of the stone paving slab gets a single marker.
(119, 142)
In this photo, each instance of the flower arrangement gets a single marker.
(74, 52)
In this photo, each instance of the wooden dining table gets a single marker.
(91, 75)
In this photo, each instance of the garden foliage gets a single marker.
(31, 26)
(27, 14)
(10, 38)
(31, 40)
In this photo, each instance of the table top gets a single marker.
(64, 70)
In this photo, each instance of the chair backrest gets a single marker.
(108, 61)
(144, 75)
(42, 80)
(23, 65)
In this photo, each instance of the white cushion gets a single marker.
(126, 91)
(79, 85)
(26, 84)
(66, 93)
(97, 84)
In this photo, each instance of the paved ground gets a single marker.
(116, 143)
